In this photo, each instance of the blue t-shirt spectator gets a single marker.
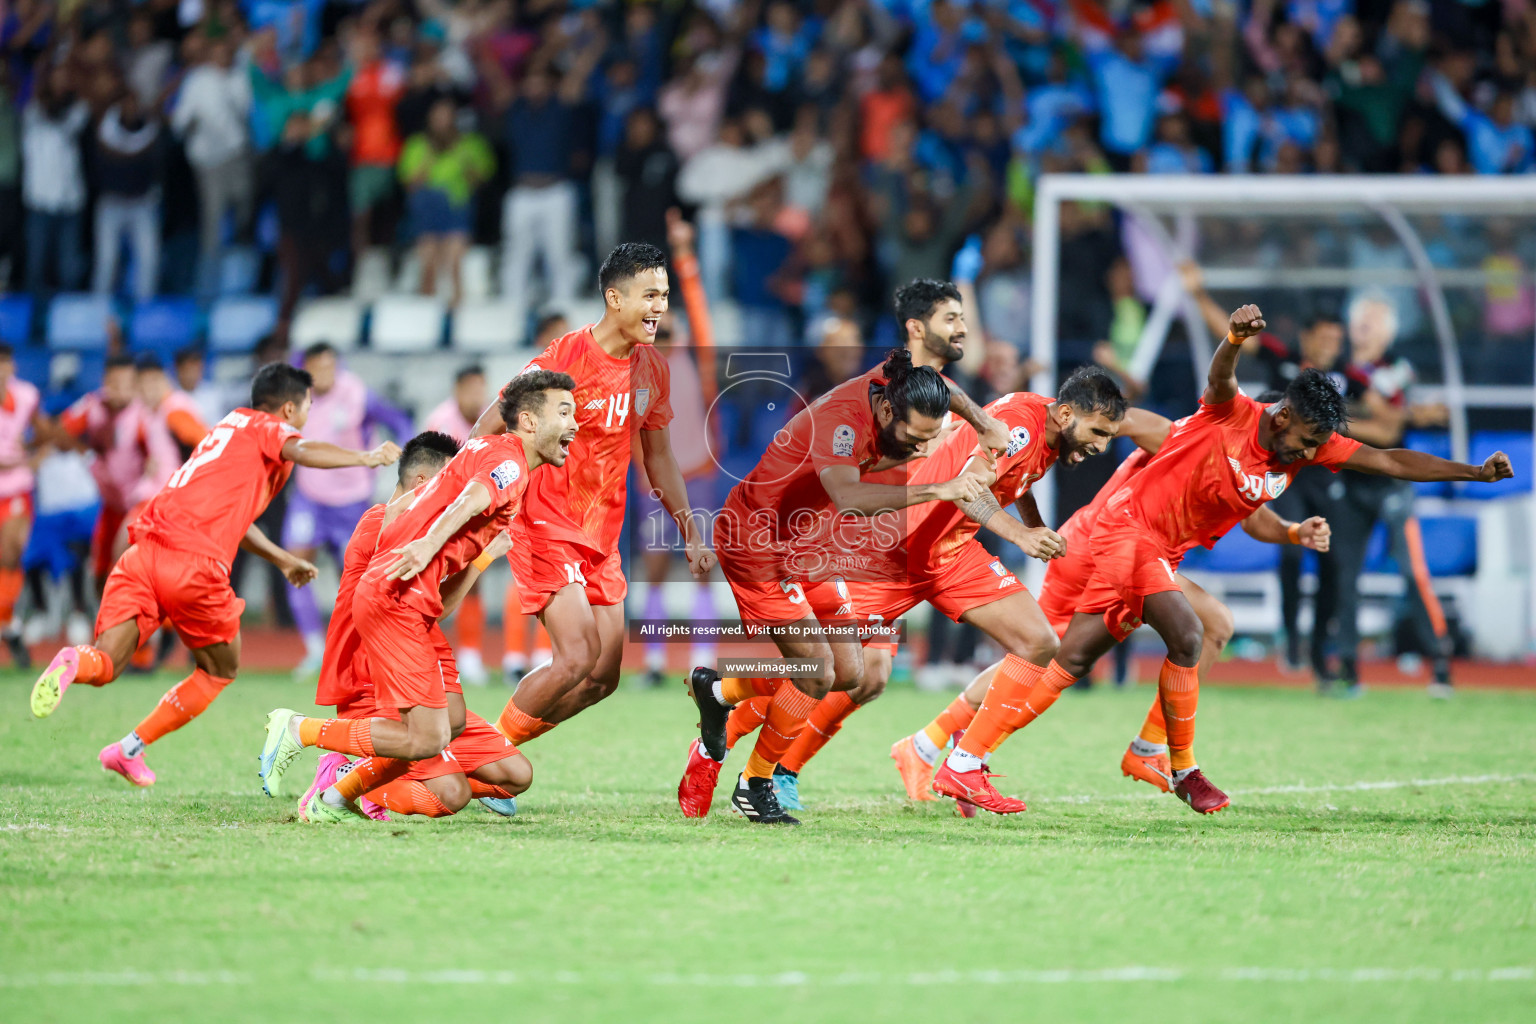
(1051, 107)
(757, 255)
(1127, 93)
(1241, 128)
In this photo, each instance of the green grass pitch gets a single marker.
(1378, 863)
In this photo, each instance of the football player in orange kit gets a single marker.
(178, 565)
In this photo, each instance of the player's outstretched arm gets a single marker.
(297, 571)
(324, 455)
(1221, 382)
(411, 559)
(1146, 429)
(854, 496)
(991, 432)
(457, 587)
(1266, 525)
(666, 478)
(1030, 536)
(1407, 464)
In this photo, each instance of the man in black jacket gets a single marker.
(127, 168)
(313, 217)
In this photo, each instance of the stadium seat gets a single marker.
(1522, 453)
(15, 319)
(486, 327)
(34, 365)
(79, 322)
(238, 323)
(476, 273)
(1432, 442)
(1238, 552)
(239, 270)
(338, 322)
(407, 323)
(370, 278)
(163, 326)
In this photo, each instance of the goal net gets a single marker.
(1454, 259)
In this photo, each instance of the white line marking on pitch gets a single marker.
(1146, 793)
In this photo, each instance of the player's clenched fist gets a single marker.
(498, 547)
(385, 454)
(299, 572)
(1043, 543)
(1498, 467)
(1315, 533)
(1246, 321)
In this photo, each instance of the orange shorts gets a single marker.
(17, 506)
(362, 702)
(558, 566)
(973, 579)
(474, 748)
(403, 660)
(791, 600)
(1130, 565)
(152, 583)
(1065, 580)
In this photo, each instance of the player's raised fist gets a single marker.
(1498, 467)
(701, 559)
(679, 233)
(499, 546)
(1315, 533)
(385, 454)
(1246, 321)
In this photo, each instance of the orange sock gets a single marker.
(786, 717)
(950, 721)
(11, 581)
(736, 689)
(471, 621)
(1178, 688)
(518, 726)
(95, 667)
(1154, 729)
(369, 774)
(823, 724)
(181, 703)
(478, 789)
(348, 735)
(745, 718)
(1004, 702)
(407, 796)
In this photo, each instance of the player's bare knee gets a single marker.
(874, 686)
(1218, 626)
(1036, 646)
(453, 791)
(1184, 643)
(518, 775)
(427, 739)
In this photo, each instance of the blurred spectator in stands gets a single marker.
(620, 96)
(212, 116)
(148, 61)
(456, 414)
(1127, 80)
(1128, 318)
(881, 109)
(1497, 143)
(1509, 312)
(759, 253)
(808, 167)
(922, 234)
(375, 90)
(310, 193)
(26, 33)
(127, 170)
(1371, 90)
(545, 153)
(427, 83)
(1002, 285)
(10, 183)
(716, 178)
(647, 172)
(441, 168)
(838, 356)
(693, 103)
(53, 182)
(1173, 152)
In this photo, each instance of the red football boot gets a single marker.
(696, 791)
(1197, 791)
(975, 788)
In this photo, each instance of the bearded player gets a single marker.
(1147, 758)
(177, 567)
(780, 544)
(441, 785)
(428, 536)
(1214, 471)
(565, 553)
(939, 559)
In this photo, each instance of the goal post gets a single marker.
(1426, 242)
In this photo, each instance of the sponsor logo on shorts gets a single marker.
(1018, 440)
(642, 400)
(506, 474)
(842, 440)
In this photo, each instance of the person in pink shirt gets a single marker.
(113, 423)
(456, 416)
(19, 414)
(324, 507)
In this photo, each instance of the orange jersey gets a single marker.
(496, 462)
(1211, 474)
(337, 679)
(1079, 526)
(614, 399)
(781, 507)
(935, 531)
(209, 503)
(181, 416)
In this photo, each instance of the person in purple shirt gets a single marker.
(324, 507)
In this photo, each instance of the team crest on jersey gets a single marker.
(506, 474)
(642, 400)
(1018, 440)
(842, 440)
(1275, 483)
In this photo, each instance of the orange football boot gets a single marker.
(1154, 769)
(916, 774)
